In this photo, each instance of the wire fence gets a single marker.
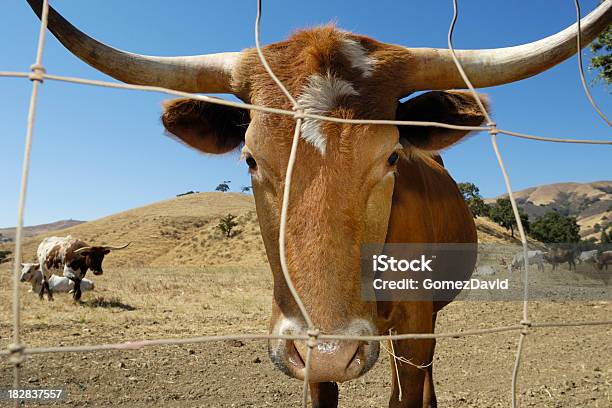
(17, 350)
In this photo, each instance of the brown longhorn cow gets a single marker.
(71, 256)
(353, 184)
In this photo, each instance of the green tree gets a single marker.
(501, 213)
(553, 227)
(226, 225)
(471, 195)
(223, 187)
(602, 56)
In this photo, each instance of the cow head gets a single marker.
(28, 271)
(341, 195)
(92, 256)
(343, 183)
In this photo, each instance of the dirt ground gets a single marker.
(570, 367)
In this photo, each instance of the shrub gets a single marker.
(226, 225)
(501, 213)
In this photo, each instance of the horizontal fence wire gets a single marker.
(17, 351)
(294, 114)
(139, 344)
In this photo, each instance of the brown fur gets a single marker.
(205, 126)
(338, 199)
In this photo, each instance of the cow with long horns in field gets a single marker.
(71, 256)
(353, 184)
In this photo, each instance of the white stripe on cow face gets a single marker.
(321, 95)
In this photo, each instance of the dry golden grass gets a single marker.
(177, 231)
(183, 231)
(561, 368)
(186, 301)
(181, 278)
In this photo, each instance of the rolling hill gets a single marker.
(590, 203)
(183, 231)
(33, 230)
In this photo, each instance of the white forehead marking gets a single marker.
(320, 96)
(358, 56)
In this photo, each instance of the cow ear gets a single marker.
(208, 127)
(453, 107)
(106, 251)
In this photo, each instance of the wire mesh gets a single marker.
(17, 350)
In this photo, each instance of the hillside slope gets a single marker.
(182, 231)
(590, 203)
(179, 230)
(33, 230)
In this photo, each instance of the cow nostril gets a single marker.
(355, 355)
(294, 356)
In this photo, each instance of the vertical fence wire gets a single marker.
(17, 351)
(17, 347)
(493, 132)
(312, 330)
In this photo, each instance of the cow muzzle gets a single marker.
(331, 360)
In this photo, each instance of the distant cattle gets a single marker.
(31, 273)
(484, 270)
(74, 257)
(588, 256)
(603, 260)
(558, 256)
(533, 258)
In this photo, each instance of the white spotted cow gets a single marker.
(73, 257)
(589, 257)
(533, 258)
(30, 272)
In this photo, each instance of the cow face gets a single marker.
(93, 258)
(341, 196)
(28, 271)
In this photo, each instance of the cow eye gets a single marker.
(392, 160)
(250, 161)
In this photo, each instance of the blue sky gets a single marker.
(99, 151)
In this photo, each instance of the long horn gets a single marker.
(432, 68)
(112, 248)
(78, 251)
(210, 73)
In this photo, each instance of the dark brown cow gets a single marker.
(73, 257)
(558, 256)
(603, 260)
(353, 184)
